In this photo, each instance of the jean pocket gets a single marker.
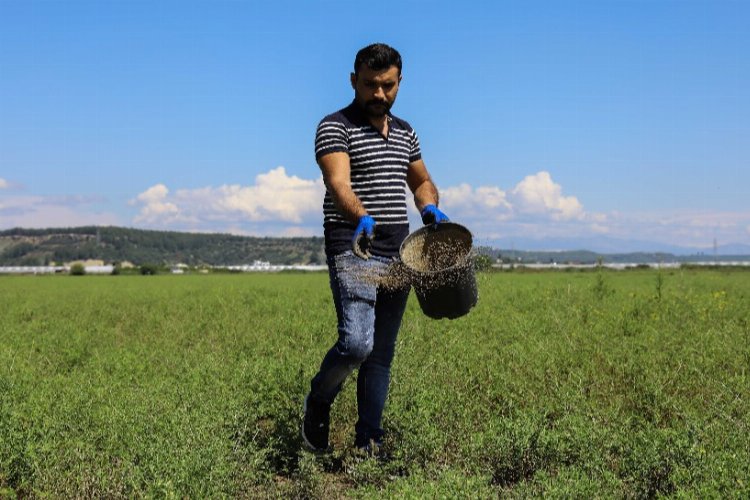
(347, 261)
(356, 278)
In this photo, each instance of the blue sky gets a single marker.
(542, 123)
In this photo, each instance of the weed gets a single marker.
(659, 284)
(601, 288)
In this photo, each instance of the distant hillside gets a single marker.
(32, 247)
(588, 257)
(28, 247)
(605, 245)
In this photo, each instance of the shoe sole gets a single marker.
(305, 441)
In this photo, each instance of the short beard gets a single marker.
(372, 112)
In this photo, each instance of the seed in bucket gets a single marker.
(440, 259)
(427, 254)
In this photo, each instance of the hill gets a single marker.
(33, 247)
(589, 257)
(29, 247)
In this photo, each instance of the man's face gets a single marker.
(375, 91)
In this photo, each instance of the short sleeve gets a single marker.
(415, 153)
(331, 137)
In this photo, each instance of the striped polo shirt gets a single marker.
(378, 176)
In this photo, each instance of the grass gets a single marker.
(579, 384)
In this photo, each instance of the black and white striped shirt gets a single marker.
(378, 176)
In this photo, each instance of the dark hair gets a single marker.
(378, 57)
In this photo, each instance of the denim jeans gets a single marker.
(369, 318)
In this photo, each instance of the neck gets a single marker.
(379, 121)
(380, 124)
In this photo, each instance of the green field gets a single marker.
(630, 383)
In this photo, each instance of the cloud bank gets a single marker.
(277, 197)
(536, 208)
(53, 211)
(279, 204)
(276, 200)
(536, 197)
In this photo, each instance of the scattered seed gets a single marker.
(430, 258)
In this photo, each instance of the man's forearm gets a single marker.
(426, 194)
(346, 201)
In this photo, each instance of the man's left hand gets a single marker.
(431, 214)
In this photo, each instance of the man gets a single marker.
(368, 157)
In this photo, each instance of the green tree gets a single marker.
(77, 269)
(149, 269)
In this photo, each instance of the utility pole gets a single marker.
(716, 250)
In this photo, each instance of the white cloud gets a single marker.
(599, 229)
(681, 228)
(595, 217)
(536, 198)
(489, 201)
(298, 231)
(535, 208)
(275, 197)
(538, 195)
(4, 184)
(57, 211)
(155, 207)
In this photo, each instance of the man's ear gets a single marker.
(353, 80)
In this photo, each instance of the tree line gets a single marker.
(34, 247)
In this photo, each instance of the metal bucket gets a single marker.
(438, 260)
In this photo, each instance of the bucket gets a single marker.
(438, 260)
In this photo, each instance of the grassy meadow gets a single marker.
(624, 384)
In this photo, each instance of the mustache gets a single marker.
(372, 102)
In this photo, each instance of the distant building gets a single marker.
(86, 263)
(106, 269)
(31, 269)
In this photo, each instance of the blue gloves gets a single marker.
(363, 236)
(365, 231)
(432, 215)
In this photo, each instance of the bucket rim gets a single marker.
(430, 228)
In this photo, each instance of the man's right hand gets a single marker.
(363, 236)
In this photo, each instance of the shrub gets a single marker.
(77, 269)
(149, 269)
(482, 263)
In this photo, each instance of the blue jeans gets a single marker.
(369, 317)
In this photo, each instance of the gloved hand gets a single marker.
(432, 215)
(363, 236)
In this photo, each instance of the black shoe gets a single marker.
(369, 448)
(315, 425)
